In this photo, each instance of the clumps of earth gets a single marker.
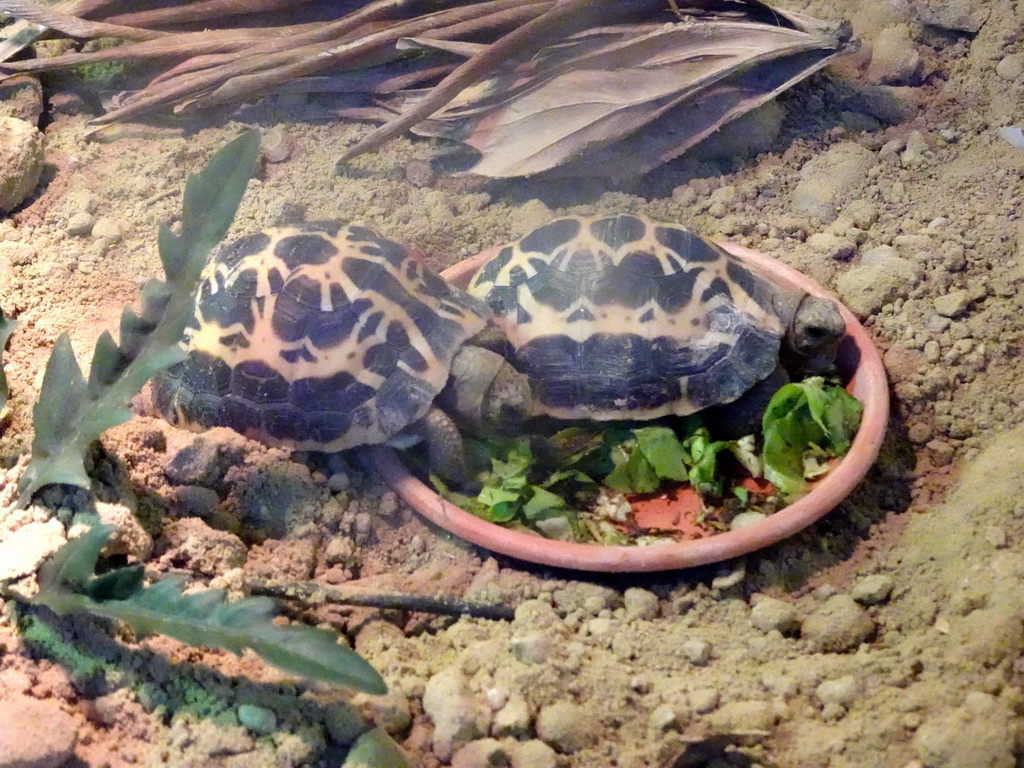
(889, 633)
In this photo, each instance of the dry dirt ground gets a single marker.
(889, 634)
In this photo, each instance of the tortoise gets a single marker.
(325, 337)
(620, 317)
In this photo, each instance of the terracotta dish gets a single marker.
(859, 362)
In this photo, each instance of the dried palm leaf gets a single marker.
(604, 85)
(532, 85)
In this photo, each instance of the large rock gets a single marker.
(827, 181)
(21, 161)
(34, 733)
(839, 625)
(880, 278)
(980, 734)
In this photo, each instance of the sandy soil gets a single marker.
(889, 634)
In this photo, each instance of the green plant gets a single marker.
(68, 584)
(72, 412)
(7, 327)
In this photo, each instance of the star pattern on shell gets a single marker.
(316, 337)
(618, 316)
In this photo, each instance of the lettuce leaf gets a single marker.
(806, 418)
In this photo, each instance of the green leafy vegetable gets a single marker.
(705, 472)
(72, 412)
(67, 584)
(375, 749)
(806, 419)
(662, 449)
(633, 472)
(510, 491)
(540, 481)
(647, 457)
(7, 327)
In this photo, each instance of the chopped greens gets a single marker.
(804, 425)
(539, 482)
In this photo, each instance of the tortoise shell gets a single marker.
(620, 317)
(316, 337)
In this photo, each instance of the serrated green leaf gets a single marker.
(72, 413)
(119, 584)
(7, 327)
(70, 569)
(375, 749)
(212, 198)
(67, 584)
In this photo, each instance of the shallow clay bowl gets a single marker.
(860, 365)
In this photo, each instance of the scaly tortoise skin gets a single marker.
(317, 337)
(620, 317)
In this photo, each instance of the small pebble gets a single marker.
(664, 718)
(697, 652)
(259, 720)
(340, 550)
(839, 625)
(513, 719)
(842, 691)
(276, 145)
(457, 716)
(771, 613)
(390, 711)
(952, 305)
(80, 224)
(420, 173)
(743, 717)
(565, 726)
(339, 481)
(942, 453)
(914, 154)
(780, 685)
(872, 589)
(35, 733)
(894, 58)
(1011, 67)
(640, 604)
(839, 248)
(107, 228)
(533, 754)
(21, 161)
(703, 700)
(534, 647)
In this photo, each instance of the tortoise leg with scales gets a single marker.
(327, 337)
(617, 317)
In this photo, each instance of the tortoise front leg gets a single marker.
(445, 452)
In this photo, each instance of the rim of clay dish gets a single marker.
(858, 359)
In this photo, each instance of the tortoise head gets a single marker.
(814, 328)
(508, 402)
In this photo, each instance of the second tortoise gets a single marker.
(620, 317)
